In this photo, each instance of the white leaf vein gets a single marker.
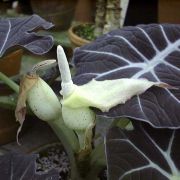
(149, 39)
(166, 156)
(151, 163)
(7, 35)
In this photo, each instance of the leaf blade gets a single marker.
(142, 152)
(19, 32)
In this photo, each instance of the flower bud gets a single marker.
(43, 101)
(78, 118)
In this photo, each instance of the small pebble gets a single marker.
(53, 157)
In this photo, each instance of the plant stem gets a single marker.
(87, 167)
(70, 143)
(97, 162)
(98, 155)
(9, 82)
(92, 163)
(81, 138)
(8, 102)
(63, 132)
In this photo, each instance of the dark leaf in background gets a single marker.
(145, 51)
(20, 32)
(15, 166)
(144, 153)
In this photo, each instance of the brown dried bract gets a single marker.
(26, 84)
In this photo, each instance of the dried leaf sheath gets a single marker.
(26, 84)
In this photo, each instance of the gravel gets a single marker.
(53, 157)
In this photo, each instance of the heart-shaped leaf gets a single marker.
(144, 153)
(20, 32)
(18, 166)
(145, 51)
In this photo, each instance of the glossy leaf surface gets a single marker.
(21, 32)
(144, 153)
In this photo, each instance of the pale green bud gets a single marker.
(43, 101)
(78, 118)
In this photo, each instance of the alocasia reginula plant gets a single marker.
(131, 72)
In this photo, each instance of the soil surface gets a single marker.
(53, 157)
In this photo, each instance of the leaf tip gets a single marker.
(165, 85)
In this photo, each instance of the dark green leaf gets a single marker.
(144, 153)
(21, 32)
